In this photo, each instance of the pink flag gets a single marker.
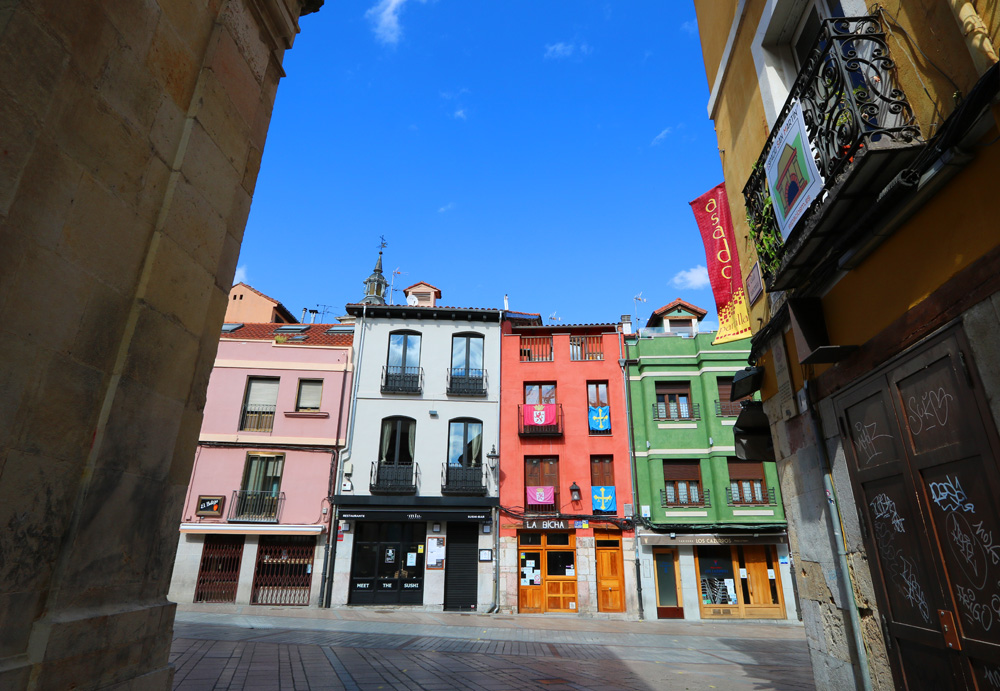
(536, 414)
(542, 495)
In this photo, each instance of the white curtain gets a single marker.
(386, 436)
(413, 437)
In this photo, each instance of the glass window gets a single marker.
(259, 404)
(531, 538)
(263, 473)
(398, 440)
(404, 350)
(465, 443)
(560, 563)
(597, 393)
(715, 569)
(666, 579)
(310, 394)
(673, 402)
(746, 482)
(558, 539)
(467, 355)
(539, 393)
(682, 483)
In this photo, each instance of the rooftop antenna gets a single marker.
(392, 281)
(323, 311)
(554, 318)
(636, 300)
(506, 308)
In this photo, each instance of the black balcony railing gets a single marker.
(256, 506)
(768, 499)
(402, 379)
(257, 418)
(728, 408)
(466, 382)
(675, 411)
(393, 479)
(456, 479)
(858, 119)
(704, 501)
(544, 508)
(553, 430)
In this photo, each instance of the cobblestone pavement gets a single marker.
(359, 650)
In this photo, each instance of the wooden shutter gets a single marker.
(602, 472)
(681, 470)
(550, 472)
(746, 470)
(532, 472)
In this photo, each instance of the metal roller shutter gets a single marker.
(461, 575)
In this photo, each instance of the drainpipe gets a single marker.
(330, 557)
(622, 360)
(345, 453)
(496, 512)
(976, 35)
(836, 522)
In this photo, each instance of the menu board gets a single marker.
(435, 553)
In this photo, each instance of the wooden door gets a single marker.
(922, 455)
(669, 602)
(610, 583)
(762, 598)
(529, 592)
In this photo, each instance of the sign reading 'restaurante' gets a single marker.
(711, 211)
(792, 175)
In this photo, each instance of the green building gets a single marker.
(711, 528)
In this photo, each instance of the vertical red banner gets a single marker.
(711, 211)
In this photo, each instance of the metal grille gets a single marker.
(219, 572)
(387, 478)
(536, 348)
(586, 348)
(466, 382)
(671, 498)
(253, 506)
(284, 570)
(462, 480)
(675, 411)
(728, 408)
(257, 418)
(402, 379)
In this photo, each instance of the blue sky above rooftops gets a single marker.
(545, 150)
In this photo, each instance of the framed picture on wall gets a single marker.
(210, 505)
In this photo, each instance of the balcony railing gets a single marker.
(586, 348)
(553, 430)
(256, 506)
(704, 501)
(393, 479)
(536, 348)
(672, 411)
(257, 418)
(862, 132)
(728, 408)
(544, 508)
(769, 499)
(462, 480)
(402, 379)
(466, 382)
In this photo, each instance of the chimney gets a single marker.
(627, 324)
(312, 316)
(506, 307)
(303, 319)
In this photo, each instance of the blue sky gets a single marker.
(544, 149)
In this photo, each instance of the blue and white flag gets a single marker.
(600, 418)
(604, 498)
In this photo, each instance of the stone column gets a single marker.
(132, 137)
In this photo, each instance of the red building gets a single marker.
(565, 470)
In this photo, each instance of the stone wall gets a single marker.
(132, 138)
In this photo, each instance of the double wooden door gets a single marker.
(922, 454)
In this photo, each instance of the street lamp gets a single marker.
(574, 492)
(492, 457)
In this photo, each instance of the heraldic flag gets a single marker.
(600, 418)
(604, 498)
(539, 414)
(542, 495)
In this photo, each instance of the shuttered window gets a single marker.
(682, 482)
(310, 394)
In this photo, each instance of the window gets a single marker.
(541, 472)
(465, 443)
(398, 438)
(467, 355)
(746, 482)
(310, 395)
(536, 348)
(598, 408)
(263, 473)
(586, 348)
(673, 402)
(259, 498)
(402, 371)
(724, 407)
(539, 393)
(684, 327)
(259, 404)
(602, 474)
(682, 483)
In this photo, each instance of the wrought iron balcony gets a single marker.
(672, 411)
(402, 379)
(768, 500)
(553, 430)
(728, 408)
(862, 133)
(257, 418)
(466, 382)
(393, 479)
(456, 479)
(544, 509)
(255, 506)
(704, 501)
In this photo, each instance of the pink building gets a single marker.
(255, 527)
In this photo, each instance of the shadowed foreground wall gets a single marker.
(131, 136)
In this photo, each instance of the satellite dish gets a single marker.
(411, 300)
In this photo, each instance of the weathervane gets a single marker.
(382, 244)
(636, 300)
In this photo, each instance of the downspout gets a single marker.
(836, 522)
(330, 557)
(345, 453)
(975, 34)
(622, 362)
(496, 512)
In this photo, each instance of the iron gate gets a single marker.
(284, 570)
(219, 572)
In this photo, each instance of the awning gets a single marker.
(664, 540)
(251, 529)
(414, 514)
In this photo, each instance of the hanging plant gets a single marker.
(763, 226)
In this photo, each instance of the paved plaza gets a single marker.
(360, 650)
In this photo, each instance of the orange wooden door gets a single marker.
(757, 580)
(529, 592)
(610, 581)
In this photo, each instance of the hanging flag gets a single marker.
(793, 178)
(542, 495)
(604, 498)
(539, 414)
(600, 418)
(711, 211)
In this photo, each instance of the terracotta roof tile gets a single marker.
(315, 335)
(657, 316)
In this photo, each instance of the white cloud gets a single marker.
(447, 207)
(557, 51)
(385, 16)
(690, 27)
(460, 114)
(586, 49)
(692, 279)
(658, 139)
(241, 275)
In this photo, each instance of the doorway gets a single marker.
(461, 567)
(547, 569)
(739, 582)
(669, 604)
(387, 567)
(610, 571)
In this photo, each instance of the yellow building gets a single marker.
(861, 157)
